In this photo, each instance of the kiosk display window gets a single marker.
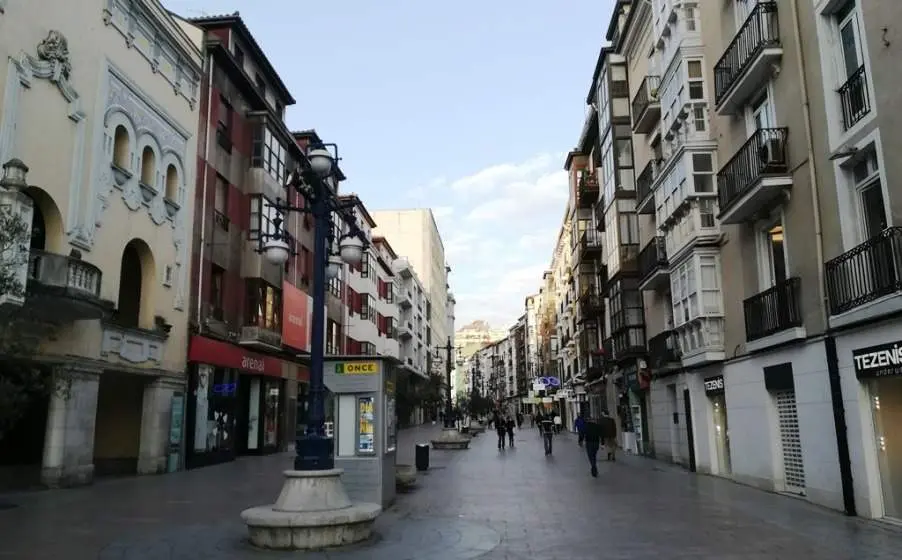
(366, 431)
(391, 425)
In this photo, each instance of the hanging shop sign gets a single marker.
(714, 385)
(882, 360)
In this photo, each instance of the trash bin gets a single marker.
(422, 456)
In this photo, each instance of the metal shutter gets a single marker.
(793, 467)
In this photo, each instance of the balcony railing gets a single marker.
(773, 310)
(587, 190)
(643, 102)
(854, 97)
(74, 276)
(589, 241)
(868, 272)
(763, 154)
(652, 257)
(663, 349)
(760, 31)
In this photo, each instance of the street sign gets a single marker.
(357, 368)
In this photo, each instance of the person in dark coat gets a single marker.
(510, 423)
(592, 435)
(500, 429)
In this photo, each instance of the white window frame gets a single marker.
(875, 176)
(764, 251)
(766, 94)
(741, 11)
(690, 80)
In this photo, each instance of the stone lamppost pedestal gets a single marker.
(312, 512)
(451, 439)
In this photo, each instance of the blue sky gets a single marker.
(467, 107)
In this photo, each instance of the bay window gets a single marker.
(263, 215)
(264, 305)
(270, 154)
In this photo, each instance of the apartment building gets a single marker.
(533, 326)
(98, 145)
(411, 328)
(372, 311)
(414, 234)
(518, 386)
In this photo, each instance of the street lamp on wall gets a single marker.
(314, 180)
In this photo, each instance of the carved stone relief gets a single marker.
(147, 122)
(131, 345)
(143, 33)
(53, 64)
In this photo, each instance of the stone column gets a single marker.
(69, 438)
(154, 450)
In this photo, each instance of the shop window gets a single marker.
(215, 392)
(264, 305)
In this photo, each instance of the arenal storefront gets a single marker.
(237, 402)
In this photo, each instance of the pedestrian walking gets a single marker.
(519, 420)
(500, 429)
(593, 437)
(510, 431)
(558, 423)
(580, 426)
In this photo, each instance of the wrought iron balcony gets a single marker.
(755, 177)
(591, 305)
(664, 351)
(748, 62)
(645, 200)
(773, 310)
(854, 98)
(647, 105)
(587, 190)
(653, 265)
(66, 287)
(589, 245)
(866, 273)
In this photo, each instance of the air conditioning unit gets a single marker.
(771, 152)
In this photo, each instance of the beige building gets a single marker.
(107, 122)
(414, 234)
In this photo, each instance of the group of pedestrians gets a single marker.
(504, 424)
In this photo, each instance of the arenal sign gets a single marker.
(878, 361)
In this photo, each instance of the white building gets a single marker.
(414, 234)
(411, 328)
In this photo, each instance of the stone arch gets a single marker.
(147, 146)
(175, 191)
(48, 232)
(116, 121)
(137, 275)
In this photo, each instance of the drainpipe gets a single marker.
(203, 204)
(839, 410)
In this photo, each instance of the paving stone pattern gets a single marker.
(480, 503)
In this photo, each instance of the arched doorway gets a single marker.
(128, 306)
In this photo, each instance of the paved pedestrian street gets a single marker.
(479, 503)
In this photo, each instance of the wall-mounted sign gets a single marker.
(550, 381)
(878, 361)
(714, 385)
(357, 368)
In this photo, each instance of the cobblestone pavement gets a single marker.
(479, 503)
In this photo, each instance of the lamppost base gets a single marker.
(312, 512)
(314, 453)
(451, 439)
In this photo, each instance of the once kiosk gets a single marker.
(366, 426)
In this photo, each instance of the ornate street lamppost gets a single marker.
(451, 438)
(313, 509)
(312, 181)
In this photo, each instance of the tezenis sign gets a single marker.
(878, 361)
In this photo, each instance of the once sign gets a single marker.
(357, 368)
(878, 361)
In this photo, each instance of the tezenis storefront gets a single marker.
(236, 402)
